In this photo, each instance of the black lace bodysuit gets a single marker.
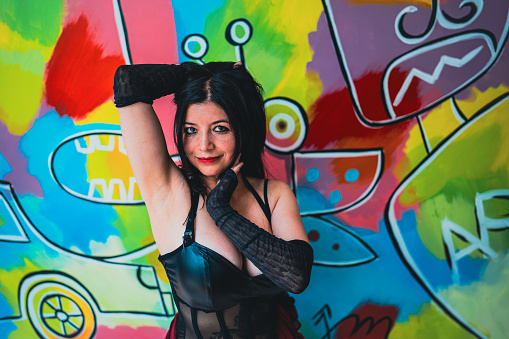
(216, 299)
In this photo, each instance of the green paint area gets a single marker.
(21, 92)
(278, 50)
(484, 303)
(33, 19)
(474, 162)
(133, 225)
(30, 61)
(431, 322)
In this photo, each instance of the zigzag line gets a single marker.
(432, 78)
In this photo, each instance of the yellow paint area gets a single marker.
(11, 41)
(415, 152)
(22, 64)
(110, 165)
(478, 99)
(105, 113)
(21, 96)
(418, 325)
(296, 83)
(439, 123)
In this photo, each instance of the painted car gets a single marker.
(65, 300)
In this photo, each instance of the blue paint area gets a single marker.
(312, 201)
(191, 20)
(63, 218)
(66, 161)
(352, 175)
(4, 166)
(383, 281)
(5, 309)
(351, 250)
(312, 175)
(334, 197)
(6, 326)
(434, 270)
(8, 226)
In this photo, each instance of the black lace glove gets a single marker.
(286, 263)
(146, 82)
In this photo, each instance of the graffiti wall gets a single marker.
(389, 119)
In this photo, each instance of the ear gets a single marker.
(237, 64)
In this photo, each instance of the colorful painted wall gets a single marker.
(390, 120)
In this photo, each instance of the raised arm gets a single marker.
(135, 88)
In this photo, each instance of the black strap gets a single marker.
(266, 198)
(189, 233)
(264, 205)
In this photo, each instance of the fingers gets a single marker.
(237, 167)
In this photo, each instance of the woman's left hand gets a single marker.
(221, 194)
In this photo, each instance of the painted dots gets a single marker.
(334, 197)
(312, 175)
(313, 235)
(352, 175)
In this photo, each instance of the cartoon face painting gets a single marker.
(411, 56)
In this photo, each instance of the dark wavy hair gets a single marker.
(240, 96)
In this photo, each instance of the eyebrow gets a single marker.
(213, 123)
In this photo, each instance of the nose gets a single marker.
(206, 142)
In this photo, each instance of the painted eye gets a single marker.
(195, 46)
(334, 246)
(287, 125)
(189, 130)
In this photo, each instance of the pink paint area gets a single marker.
(142, 332)
(151, 32)
(101, 17)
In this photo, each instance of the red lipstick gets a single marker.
(208, 160)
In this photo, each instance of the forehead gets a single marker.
(205, 113)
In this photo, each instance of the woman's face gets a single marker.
(209, 141)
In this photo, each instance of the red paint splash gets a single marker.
(336, 126)
(368, 321)
(79, 77)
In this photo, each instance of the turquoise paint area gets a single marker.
(312, 175)
(70, 222)
(334, 197)
(191, 20)
(4, 166)
(383, 281)
(352, 175)
(311, 200)
(6, 327)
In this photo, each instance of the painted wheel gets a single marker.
(57, 311)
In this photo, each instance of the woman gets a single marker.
(240, 253)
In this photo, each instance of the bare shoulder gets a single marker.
(277, 189)
(285, 219)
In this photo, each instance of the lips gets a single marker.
(208, 160)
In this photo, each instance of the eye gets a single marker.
(221, 129)
(189, 130)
